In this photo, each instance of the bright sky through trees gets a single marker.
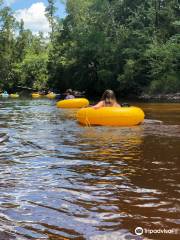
(33, 13)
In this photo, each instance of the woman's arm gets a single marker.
(98, 105)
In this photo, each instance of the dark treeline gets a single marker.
(129, 46)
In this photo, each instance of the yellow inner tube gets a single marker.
(73, 103)
(14, 95)
(111, 116)
(51, 95)
(35, 95)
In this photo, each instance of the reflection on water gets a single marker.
(59, 180)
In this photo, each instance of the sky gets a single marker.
(33, 13)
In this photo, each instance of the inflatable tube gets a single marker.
(35, 95)
(111, 116)
(73, 103)
(14, 95)
(51, 95)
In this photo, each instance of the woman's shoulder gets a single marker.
(117, 105)
(99, 104)
(101, 101)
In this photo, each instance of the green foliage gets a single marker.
(164, 66)
(7, 25)
(123, 45)
(128, 46)
(32, 71)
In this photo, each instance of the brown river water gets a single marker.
(60, 180)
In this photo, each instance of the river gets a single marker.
(60, 180)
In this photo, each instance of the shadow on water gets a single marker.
(59, 180)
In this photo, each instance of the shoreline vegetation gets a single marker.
(131, 47)
(175, 97)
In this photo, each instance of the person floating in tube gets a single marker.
(69, 94)
(108, 99)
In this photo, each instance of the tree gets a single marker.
(7, 28)
(50, 14)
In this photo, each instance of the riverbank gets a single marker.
(172, 97)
